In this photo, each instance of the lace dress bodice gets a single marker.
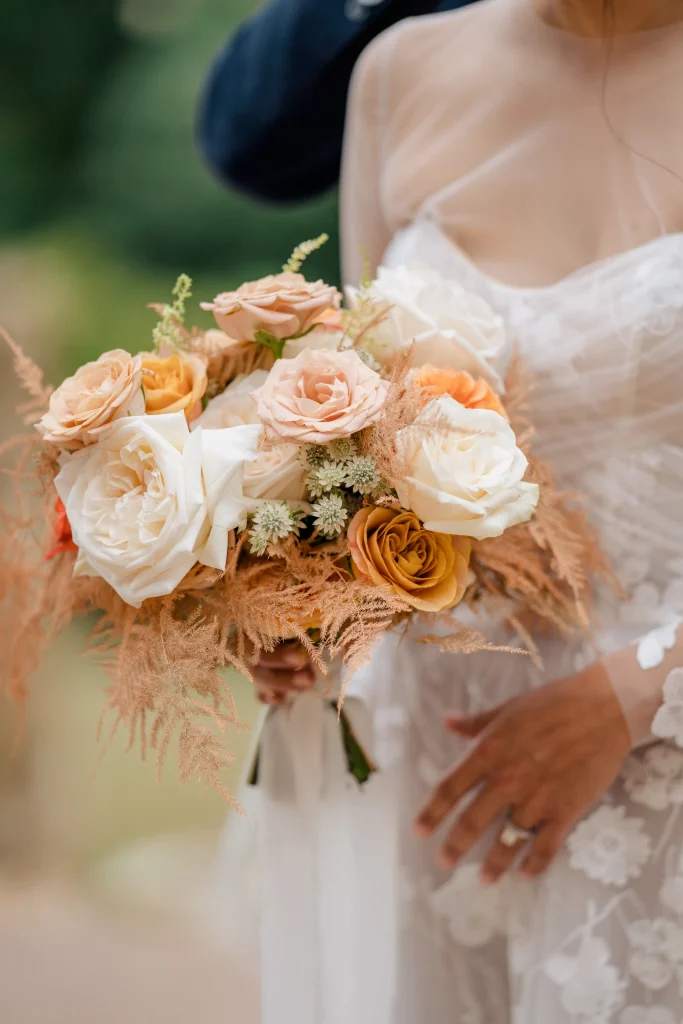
(604, 347)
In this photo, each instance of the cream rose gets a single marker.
(276, 474)
(447, 326)
(151, 499)
(83, 408)
(234, 406)
(465, 477)
(320, 396)
(284, 305)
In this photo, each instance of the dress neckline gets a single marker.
(594, 266)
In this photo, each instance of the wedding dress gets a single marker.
(497, 150)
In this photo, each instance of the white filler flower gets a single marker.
(152, 499)
(447, 325)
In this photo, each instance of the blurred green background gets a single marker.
(105, 199)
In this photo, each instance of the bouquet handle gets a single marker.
(328, 862)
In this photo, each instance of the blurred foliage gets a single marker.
(96, 120)
(52, 63)
(105, 201)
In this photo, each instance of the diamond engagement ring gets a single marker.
(513, 834)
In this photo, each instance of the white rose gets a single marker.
(447, 325)
(276, 474)
(151, 499)
(234, 406)
(324, 335)
(466, 480)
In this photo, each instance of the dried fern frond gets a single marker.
(31, 378)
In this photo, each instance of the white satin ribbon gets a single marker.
(328, 869)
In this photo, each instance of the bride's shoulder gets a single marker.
(443, 39)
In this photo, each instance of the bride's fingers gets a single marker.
(271, 697)
(471, 825)
(284, 680)
(286, 657)
(450, 791)
(546, 846)
(470, 725)
(530, 814)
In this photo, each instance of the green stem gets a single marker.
(359, 764)
(268, 340)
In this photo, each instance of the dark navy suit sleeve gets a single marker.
(271, 115)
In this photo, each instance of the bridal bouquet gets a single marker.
(300, 472)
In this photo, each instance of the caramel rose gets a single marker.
(84, 407)
(473, 393)
(428, 570)
(283, 305)
(174, 383)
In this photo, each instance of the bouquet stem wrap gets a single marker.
(324, 839)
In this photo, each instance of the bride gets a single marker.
(519, 859)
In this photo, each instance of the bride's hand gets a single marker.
(543, 758)
(282, 674)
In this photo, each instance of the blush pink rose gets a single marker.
(284, 305)
(84, 407)
(320, 395)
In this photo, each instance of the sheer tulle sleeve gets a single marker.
(364, 230)
(648, 680)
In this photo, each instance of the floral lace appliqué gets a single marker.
(653, 647)
(609, 847)
(656, 779)
(657, 952)
(668, 721)
(591, 987)
(473, 912)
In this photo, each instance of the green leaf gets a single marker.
(360, 766)
(268, 340)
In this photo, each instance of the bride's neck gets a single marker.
(608, 17)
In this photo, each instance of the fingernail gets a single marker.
(422, 831)
(487, 877)
(302, 680)
(444, 861)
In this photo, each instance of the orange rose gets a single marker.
(62, 533)
(174, 383)
(428, 570)
(460, 385)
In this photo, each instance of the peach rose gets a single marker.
(174, 383)
(327, 333)
(85, 405)
(460, 385)
(428, 570)
(284, 305)
(320, 396)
